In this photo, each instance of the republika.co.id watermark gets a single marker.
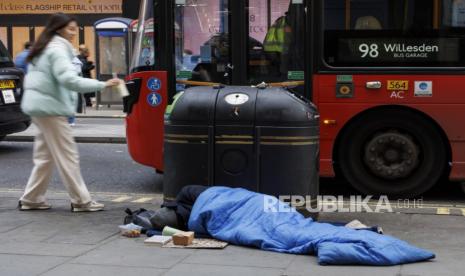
(339, 204)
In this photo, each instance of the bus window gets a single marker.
(454, 13)
(379, 14)
(273, 33)
(393, 33)
(144, 45)
(202, 40)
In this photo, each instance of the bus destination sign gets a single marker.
(398, 50)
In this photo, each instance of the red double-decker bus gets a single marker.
(387, 77)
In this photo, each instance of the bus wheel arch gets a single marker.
(371, 131)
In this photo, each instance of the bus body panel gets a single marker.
(442, 107)
(145, 124)
(361, 56)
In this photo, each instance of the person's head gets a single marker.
(58, 24)
(27, 45)
(83, 50)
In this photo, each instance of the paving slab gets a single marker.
(438, 221)
(101, 270)
(19, 265)
(85, 234)
(448, 263)
(9, 223)
(8, 203)
(133, 252)
(452, 239)
(43, 249)
(83, 229)
(32, 232)
(221, 270)
(241, 256)
(43, 226)
(386, 220)
(58, 242)
(308, 265)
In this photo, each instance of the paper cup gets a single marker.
(169, 231)
(122, 90)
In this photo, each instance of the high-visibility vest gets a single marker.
(278, 36)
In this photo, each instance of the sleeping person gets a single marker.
(239, 216)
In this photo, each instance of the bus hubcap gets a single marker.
(391, 155)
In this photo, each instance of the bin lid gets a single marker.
(235, 105)
(278, 107)
(242, 105)
(196, 106)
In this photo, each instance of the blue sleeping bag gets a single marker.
(238, 216)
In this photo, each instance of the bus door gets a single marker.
(132, 34)
(241, 42)
(386, 69)
(279, 44)
(188, 44)
(202, 36)
(146, 103)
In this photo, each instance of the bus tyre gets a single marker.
(2, 137)
(395, 153)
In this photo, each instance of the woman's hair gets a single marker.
(55, 23)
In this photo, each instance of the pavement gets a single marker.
(95, 125)
(113, 111)
(58, 242)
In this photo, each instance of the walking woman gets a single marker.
(49, 99)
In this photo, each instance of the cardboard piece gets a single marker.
(183, 238)
(200, 244)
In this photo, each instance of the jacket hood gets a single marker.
(60, 42)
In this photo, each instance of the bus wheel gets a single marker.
(396, 153)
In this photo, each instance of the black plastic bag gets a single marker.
(140, 217)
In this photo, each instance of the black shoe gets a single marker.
(164, 217)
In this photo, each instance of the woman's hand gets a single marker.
(113, 82)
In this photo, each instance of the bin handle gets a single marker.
(286, 83)
(272, 84)
(264, 85)
(198, 83)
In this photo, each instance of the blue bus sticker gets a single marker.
(154, 84)
(154, 99)
(423, 89)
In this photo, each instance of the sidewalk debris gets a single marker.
(357, 225)
(199, 244)
(130, 230)
(183, 238)
(170, 231)
(158, 240)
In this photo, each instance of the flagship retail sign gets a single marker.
(64, 6)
